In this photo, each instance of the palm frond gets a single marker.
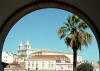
(83, 25)
(69, 40)
(86, 38)
(67, 24)
(76, 19)
(62, 32)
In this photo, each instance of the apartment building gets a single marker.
(48, 62)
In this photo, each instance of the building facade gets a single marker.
(7, 57)
(64, 66)
(48, 62)
(39, 64)
(42, 51)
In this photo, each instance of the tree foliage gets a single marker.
(85, 67)
(22, 55)
(75, 35)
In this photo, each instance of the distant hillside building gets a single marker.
(24, 50)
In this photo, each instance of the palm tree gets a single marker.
(75, 35)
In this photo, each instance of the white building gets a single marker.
(48, 62)
(25, 50)
(70, 55)
(42, 51)
(7, 57)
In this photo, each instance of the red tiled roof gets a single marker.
(14, 63)
(47, 57)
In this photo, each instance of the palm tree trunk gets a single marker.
(74, 60)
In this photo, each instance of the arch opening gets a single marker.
(33, 7)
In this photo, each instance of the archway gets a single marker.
(35, 6)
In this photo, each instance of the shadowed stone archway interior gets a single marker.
(12, 11)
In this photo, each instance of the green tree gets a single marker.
(22, 55)
(85, 67)
(75, 35)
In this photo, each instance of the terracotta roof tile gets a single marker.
(47, 57)
(14, 63)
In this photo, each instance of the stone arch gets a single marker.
(8, 24)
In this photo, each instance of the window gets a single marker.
(28, 65)
(52, 65)
(48, 64)
(32, 63)
(36, 63)
(43, 64)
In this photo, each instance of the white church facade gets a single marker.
(25, 50)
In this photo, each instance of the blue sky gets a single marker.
(39, 27)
